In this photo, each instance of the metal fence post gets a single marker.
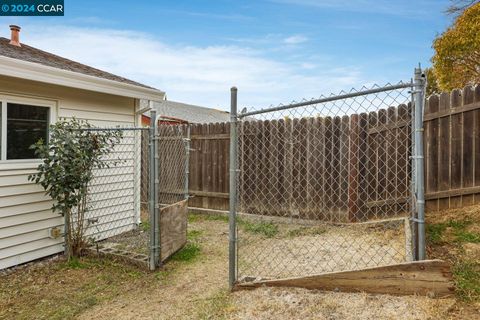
(156, 213)
(419, 86)
(152, 192)
(233, 189)
(413, 188)
(187, 161)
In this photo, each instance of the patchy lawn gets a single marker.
(454, 235)
(193, 284)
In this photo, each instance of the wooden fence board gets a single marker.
(431, 150)
(372, 163)
(391, 153)
(444, 150)
(353, 212)
(467, 146)
(429, 277)
(456, 145)
(403, 160)
(476, 152)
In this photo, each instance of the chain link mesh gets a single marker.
(173, 148)
(325, 186)
(117, 218)
(117, 204)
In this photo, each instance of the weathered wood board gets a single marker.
(173, 228)
(429, 277)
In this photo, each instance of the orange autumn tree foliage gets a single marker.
(456, 62)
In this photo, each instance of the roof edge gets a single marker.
(38, 72)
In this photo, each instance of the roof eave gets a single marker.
(37, 72)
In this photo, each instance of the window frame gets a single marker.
(36, 102)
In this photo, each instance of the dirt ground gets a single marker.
(191, 286)
(300, 251)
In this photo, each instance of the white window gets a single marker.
(23, 122)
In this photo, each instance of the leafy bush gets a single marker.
(69, 158)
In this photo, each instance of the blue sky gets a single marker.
(274, 51)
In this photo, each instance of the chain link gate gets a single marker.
(326, 185)
(117, 210)
(137, 203)
(169, 152)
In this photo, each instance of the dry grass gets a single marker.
(190, 288)
(61, 290)
(300, 251)
(294, 303)
(454, 236)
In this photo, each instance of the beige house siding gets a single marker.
(25, 215)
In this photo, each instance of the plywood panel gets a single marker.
(173, 228)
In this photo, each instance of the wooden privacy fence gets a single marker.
(373, 174)
(209, 166)
(350, 167)
(340, 168)
(452, 149)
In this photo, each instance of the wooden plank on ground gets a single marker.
(429, 277)
(173, 228)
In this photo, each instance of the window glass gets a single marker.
(26, 125)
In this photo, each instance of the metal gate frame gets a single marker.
(155, 205)
(417, 86)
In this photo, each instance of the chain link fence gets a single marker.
(136, 205)
(173, 157)
(117, 216)
(323, 185)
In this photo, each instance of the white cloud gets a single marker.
(406, 9)
(193, 74)
(296, 39)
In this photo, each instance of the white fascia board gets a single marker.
(38, 72)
